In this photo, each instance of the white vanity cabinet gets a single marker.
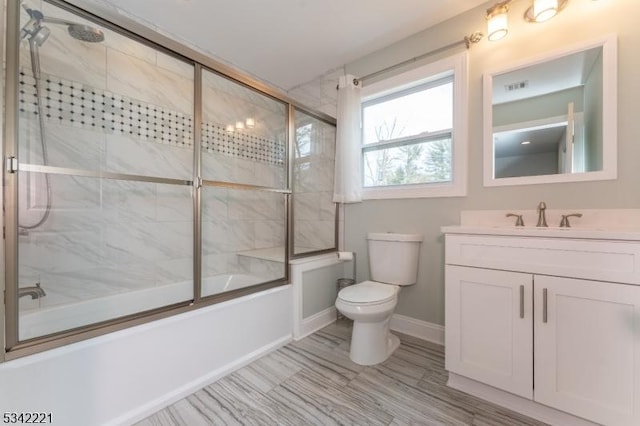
(534, 317)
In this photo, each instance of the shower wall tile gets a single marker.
(216, 264)
(127, 155)
(115, 278)
(65, 56)
(128, 201)
(265, 269)
(269, 233)
(81, 106)
(77, 148)
(29, 147)
(306, 206)
(253, 205)
(319, 93)
(176, 66)
(315, 234)
(130, 47)
(241, 144)
(215, 237)
(71, 198)
(327, 208)
(174, 271)
(140, 242)
(140, 80)
(61, 252)
(214, 204)
(218, 167)
(174, 203)
(241, 235)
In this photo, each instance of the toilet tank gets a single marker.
(393, 258)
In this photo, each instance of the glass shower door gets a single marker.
(244, 194)
(105, 153)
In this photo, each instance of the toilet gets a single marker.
(393, 260)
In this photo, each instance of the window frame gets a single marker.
(454, 67)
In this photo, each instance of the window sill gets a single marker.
(418, 191)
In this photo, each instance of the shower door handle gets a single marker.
(12, 164)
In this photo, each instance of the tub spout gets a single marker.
(36, 292)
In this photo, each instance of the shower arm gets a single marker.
(58, 21)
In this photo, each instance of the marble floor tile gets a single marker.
(269, 371)
(314, 382)
(325, 402)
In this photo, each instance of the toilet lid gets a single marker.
(368, 292)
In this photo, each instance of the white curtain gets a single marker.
(348, 177)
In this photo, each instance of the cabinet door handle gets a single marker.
(521, 301)
(544, 305)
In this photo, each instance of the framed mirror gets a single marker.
(553, 118)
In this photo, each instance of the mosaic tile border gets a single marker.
(216, 139)
(79, 105)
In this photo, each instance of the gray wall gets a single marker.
(319, 289)
(586, 20)
(593, 117)
(552, 105)
(544, 163)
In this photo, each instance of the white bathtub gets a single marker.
(43, 321)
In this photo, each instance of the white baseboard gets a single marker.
(515, 403)
(157, 404)
(417, 328)
(317, 321)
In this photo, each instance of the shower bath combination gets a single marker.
(36, 33)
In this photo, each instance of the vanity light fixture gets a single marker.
(496, 17)
(543, 10)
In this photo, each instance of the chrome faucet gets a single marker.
(36, 292)
(542, 219)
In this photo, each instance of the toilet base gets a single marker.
(372, 343)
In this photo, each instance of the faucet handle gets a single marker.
(564, 222)
(519, 221)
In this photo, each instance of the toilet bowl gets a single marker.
(370, 304)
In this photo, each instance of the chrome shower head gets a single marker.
(85, 33)
(78, 31)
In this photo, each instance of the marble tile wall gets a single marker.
(313, 207)
(120, 106)
(320, 94)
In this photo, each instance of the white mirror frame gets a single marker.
(609, 111)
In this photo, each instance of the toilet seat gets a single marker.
(368, 293)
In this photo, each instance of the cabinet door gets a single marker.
(587, 352)
(489, 330)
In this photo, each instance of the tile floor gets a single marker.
(313, 382)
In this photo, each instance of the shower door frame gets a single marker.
(12, 347)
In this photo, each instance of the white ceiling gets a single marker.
(542, 139)
(290, 42)
(546, 77)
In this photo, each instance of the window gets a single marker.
(413, 134)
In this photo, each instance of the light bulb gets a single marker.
(544, 10)
(497, 26)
